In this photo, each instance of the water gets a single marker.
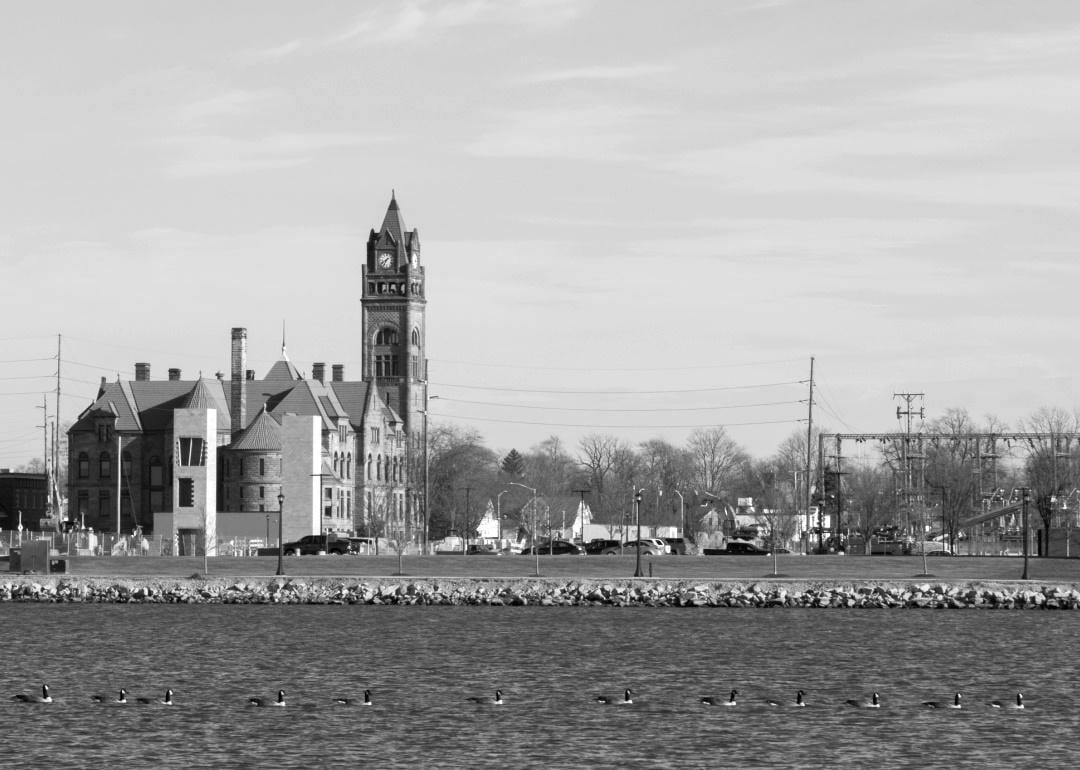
(422, 663)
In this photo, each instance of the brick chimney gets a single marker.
(237, 391)
(174, 375)
(339, 372)
(318, 371)
(142, 372)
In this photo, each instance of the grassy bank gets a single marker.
(826, 568)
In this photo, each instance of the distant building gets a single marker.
(22, 492)
(346, 454)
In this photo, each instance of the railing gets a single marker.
(89, 543)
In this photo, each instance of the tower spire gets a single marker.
(284, 355)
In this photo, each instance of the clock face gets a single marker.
(386, 259)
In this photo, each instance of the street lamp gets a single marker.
(498, 513)
(1025, 500)
(637, 545)
(280, 534)
(536, 547)
(682, 514)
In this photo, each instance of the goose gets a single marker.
(709, 700)
(497, 700)
(352, 702)
(121, 698)
(263, 702)
(933, 704)
(166, 701)
(43, 698)
(1001, 705)
(607, 699)
(798, 700)
(873, 703)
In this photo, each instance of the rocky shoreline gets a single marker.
(518, 592)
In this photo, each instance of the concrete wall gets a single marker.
(301, 466)
(196, 423)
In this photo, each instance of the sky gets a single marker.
(638, 218)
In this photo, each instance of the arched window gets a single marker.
(386, 336)
(369, 467)
(84, 465)
(105, 465)
(416, 337)
(348, 466)
(378, 468)
(388, 468)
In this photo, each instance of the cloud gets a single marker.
(212, 155)
(409, 21)
(230, 104)
(626, 72)
(271, 53)
(594, 132)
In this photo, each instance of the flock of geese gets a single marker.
(873, 702)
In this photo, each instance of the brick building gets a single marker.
(141, 449)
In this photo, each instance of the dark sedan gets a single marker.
(555, 548)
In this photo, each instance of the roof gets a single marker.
(264, 433)
(283, 371)
(394, 235)
(200, 396)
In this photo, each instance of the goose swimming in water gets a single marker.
(933, 704)
(166, 701)
(607, 699)
(121, 698)
(352, 702)
(262, 702)
(709, 700)
(497, 700)
(43, 698)
(873, 703)
(798, 700)
(1001, 705)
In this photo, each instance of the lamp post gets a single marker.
(682, 515)
(498, 513)
(637, 545)
(280, 534)
(1026, 492)
(536, 548)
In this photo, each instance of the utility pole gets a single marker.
(809, 437)
(1026, 492)
(465, 540)
(908, 412)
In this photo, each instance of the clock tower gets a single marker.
(393, 307)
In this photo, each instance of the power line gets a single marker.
(615, 392)
(531, 367)
(612, 427)
(609, 409)
(27, 360)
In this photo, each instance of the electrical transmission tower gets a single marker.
(911, 462)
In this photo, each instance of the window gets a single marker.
(126, 464)
(104, 508)
(387, 365)
(416, 337)
(192, 451)
(262, 467)
(187, 493)
(227, 467)
(374, 435)
(262, 493)
(378, 468)
(369, 467)
(84, 465)
(348, 466)
(386, 336)
(156, 477)
(84, 502)
(105, 465)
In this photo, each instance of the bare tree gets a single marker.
(872, 502)
(1049, 477)
(714, 455)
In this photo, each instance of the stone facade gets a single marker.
(123, 448)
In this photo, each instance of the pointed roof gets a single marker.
(200, 397)
(394, 235)
(283, 371)
(264, 434)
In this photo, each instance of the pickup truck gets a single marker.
(312, 544)
(736, 548)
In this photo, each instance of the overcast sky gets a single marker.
(682, 200)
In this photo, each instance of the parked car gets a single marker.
(737, 548)
(676, 545)
(650, 546)
(331, 543)
(931, 548)
(555, 548)
(481, 549)
(601, 546)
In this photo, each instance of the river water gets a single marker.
(422, 664)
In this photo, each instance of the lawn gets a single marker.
(796, 567)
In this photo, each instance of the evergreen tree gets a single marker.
(513, 465)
